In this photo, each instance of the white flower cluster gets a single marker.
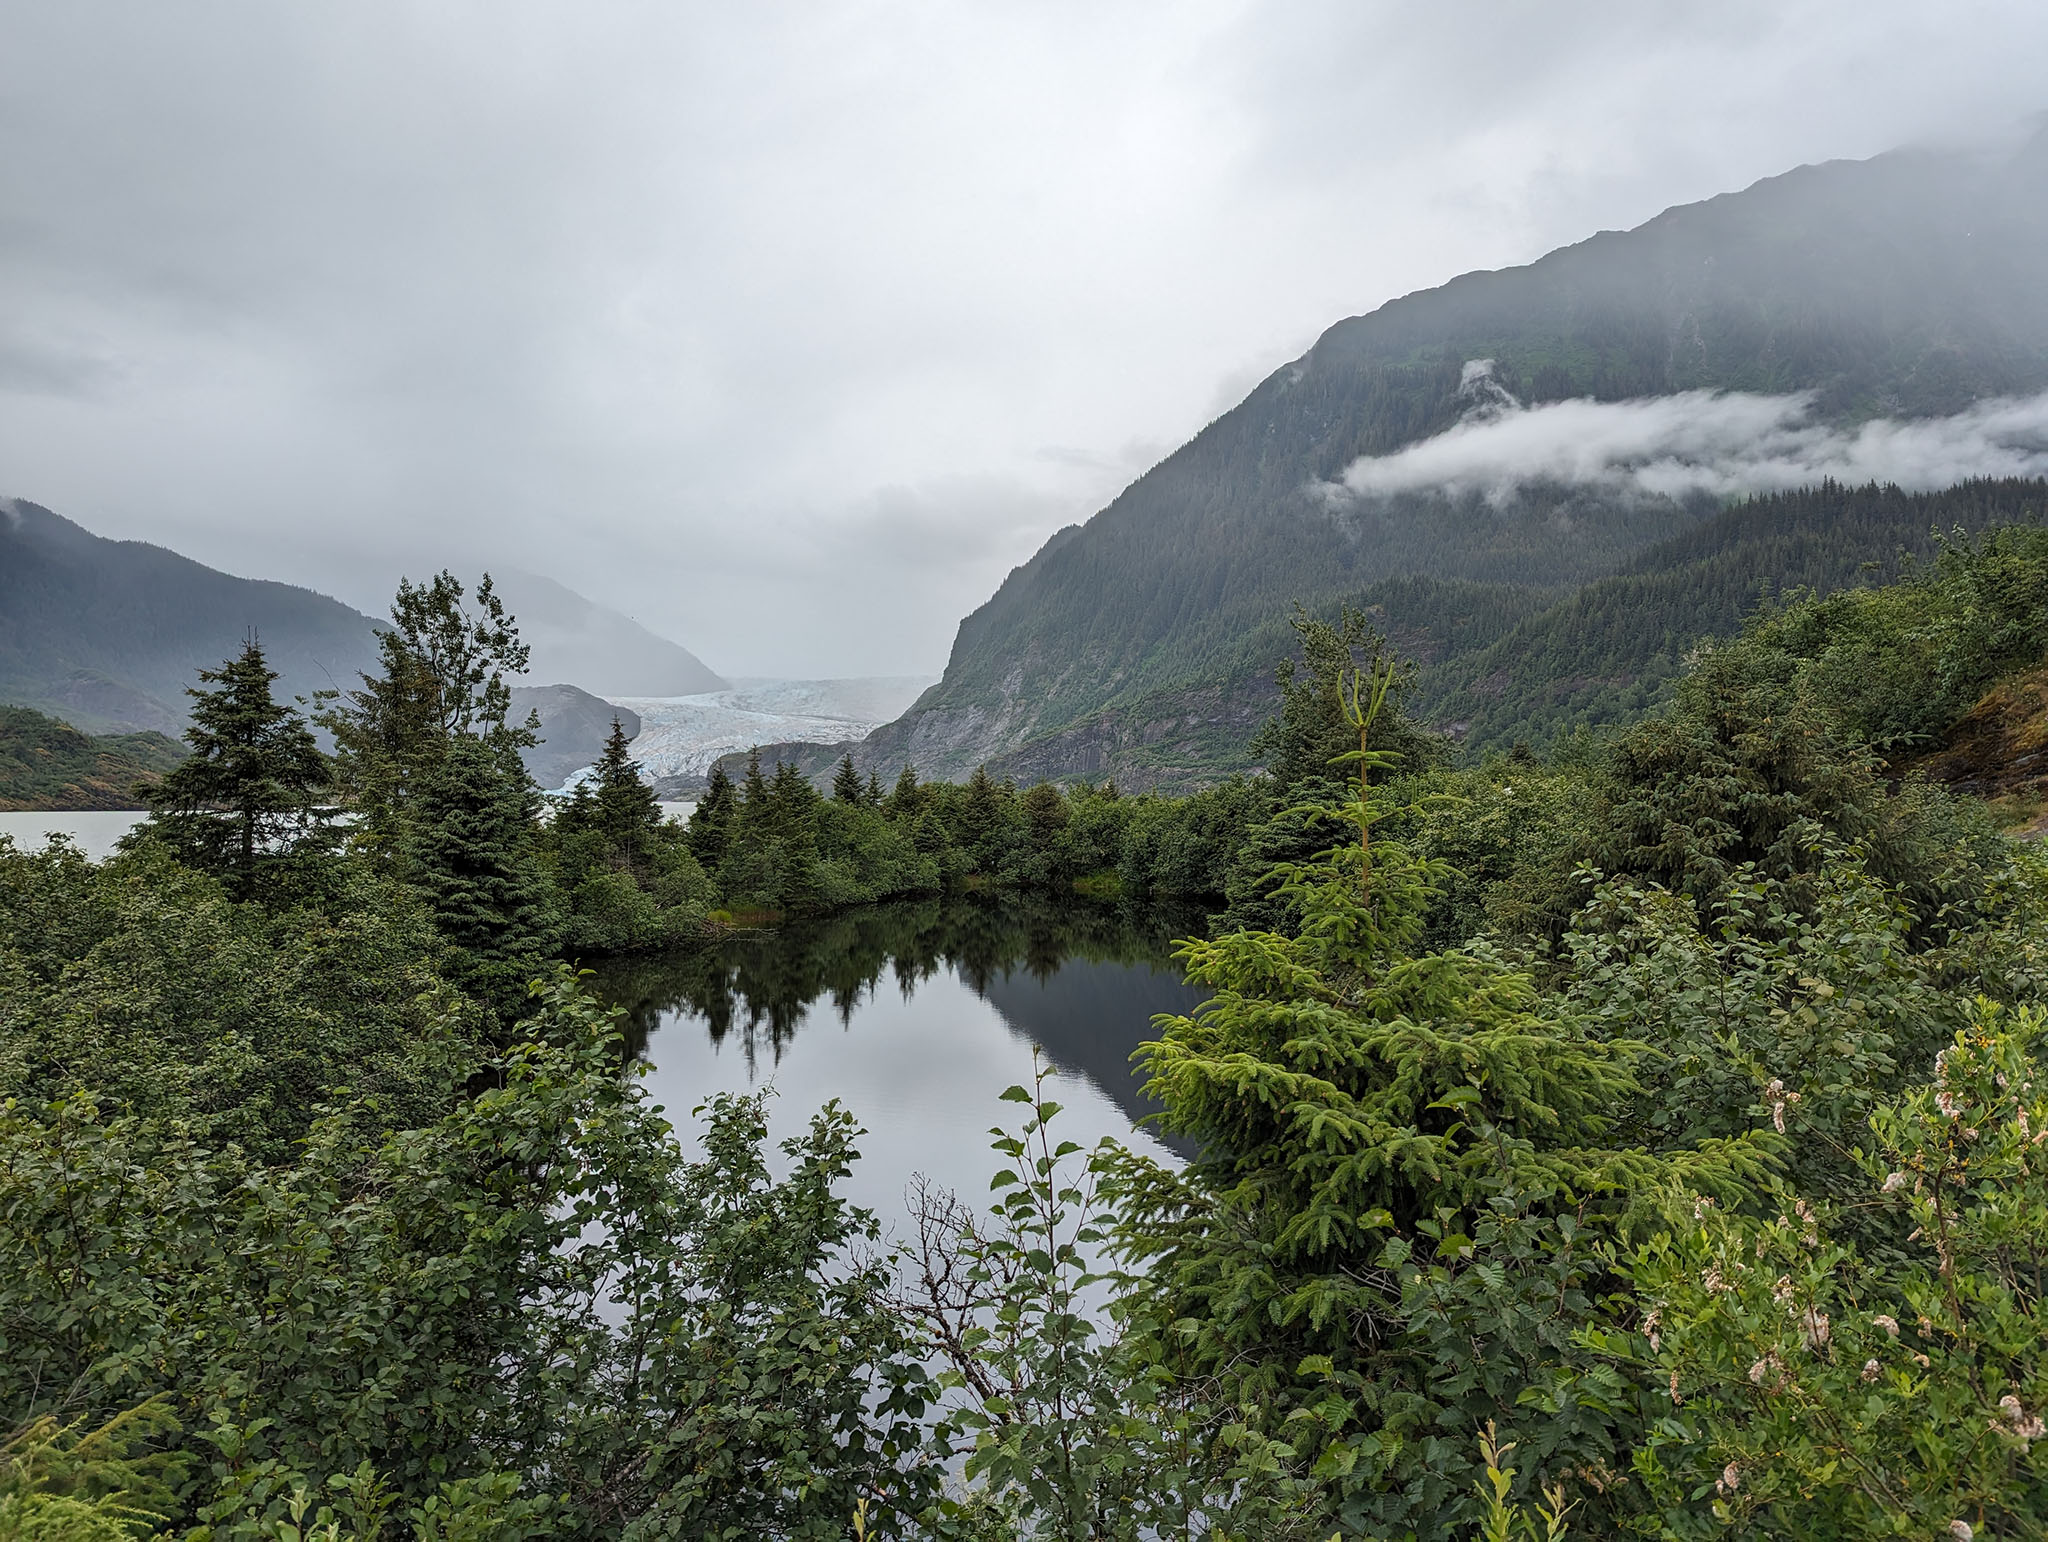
(2016, 1423)
(1776, 1095)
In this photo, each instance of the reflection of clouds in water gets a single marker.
(922, 1070)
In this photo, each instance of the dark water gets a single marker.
(916, 1017)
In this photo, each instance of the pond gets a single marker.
(916, 1017)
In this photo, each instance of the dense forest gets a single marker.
(1608, 650)
(1641, 1138)
(1517, 654)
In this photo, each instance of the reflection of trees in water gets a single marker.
(759, 987)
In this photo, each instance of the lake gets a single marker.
(96, 830)
(916, 1017)
(93, 830)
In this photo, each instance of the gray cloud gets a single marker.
(1721, 443)
(675, 301)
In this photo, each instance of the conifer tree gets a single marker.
(1045, 814)
(711, 821)
(847, 786)
(905, 800)
(469, 850)
(624, 806)
(1406, 1177)
(794, 802)
(981, 819)
(872, 794)
(247, 798)
(443, 677)
(754, 790)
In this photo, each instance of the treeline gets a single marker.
(1607, 652)
(1641, 1142)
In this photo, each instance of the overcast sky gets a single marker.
(789, 329)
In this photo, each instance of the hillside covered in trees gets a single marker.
(47, 764)
(1605, 653)
(1897, 287)
(109, 634)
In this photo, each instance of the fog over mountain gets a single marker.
(1460, 458)
(576, 641)
(1725, 444)
(790, 332)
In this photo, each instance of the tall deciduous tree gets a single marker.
(249, 795)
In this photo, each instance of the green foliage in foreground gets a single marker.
(1647, 1143)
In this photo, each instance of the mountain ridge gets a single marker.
(107, 635)
(1894, 286)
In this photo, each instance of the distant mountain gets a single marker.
(47, 764)
(573, 728)
(1906, 286)
(599, 649)
(108, 634)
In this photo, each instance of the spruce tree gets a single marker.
(443, 678)
(1408, 1190)
(1045, 814)
(981, 819)
(247, 799)
(906, 800)
(626, 810)
(469, 851)
(711, 821)
(847, 786)
(872, 794)
(795, 802)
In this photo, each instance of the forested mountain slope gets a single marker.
(47, 764)
(1604, 653)
(108, 634)
(1908, 285)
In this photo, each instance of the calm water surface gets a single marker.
(94, 831)
(916, 1017)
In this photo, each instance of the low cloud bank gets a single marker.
(1724, 443)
